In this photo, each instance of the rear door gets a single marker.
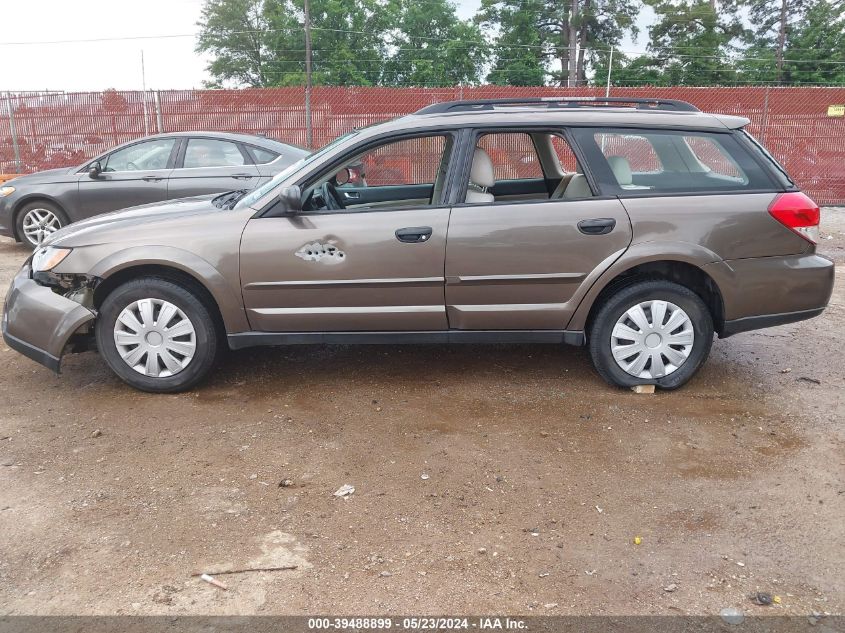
(132, 175)
(211, 165)
(517, 263)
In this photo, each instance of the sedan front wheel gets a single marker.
(37, 221)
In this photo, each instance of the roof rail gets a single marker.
(560, 102)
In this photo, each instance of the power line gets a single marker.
(547, 49)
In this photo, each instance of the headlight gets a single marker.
(48, 257)
(6, 191)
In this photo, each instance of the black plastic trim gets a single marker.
(255, 339)
(560, 102)
(746, 324)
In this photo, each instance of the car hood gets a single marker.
(93, 230)
(44, 177)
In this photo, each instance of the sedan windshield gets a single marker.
(263, 190)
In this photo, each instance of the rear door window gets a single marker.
(513, 156)
(209, 152)
(658, 161)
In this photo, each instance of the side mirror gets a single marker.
(291, 199)
(343, 177)
(95, 170)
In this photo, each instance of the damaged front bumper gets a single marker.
(38, 322)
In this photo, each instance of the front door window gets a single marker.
(409, 173)
(145, 156)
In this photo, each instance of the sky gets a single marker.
(169, 62)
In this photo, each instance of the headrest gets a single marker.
(578, 187)
(481, 173)
(621, 169)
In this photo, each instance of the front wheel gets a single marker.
(651, 332)
(157, 335)
(37, 221)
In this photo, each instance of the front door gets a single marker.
(365, 254)
(516, 261)
(133, 175)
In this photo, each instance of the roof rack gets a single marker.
(560, 102)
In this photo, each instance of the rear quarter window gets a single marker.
(643, 162)
(262, 156)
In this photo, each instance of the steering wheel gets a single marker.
(331, 197)
(132, 166)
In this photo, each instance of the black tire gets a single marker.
(628, 296)
(186, 300)
(60, 216)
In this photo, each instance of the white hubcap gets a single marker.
(38, 224)
(155, 338)
(652, 339)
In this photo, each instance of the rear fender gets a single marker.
(643, 253)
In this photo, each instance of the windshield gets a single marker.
(263, 190)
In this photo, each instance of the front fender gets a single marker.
(228, 299)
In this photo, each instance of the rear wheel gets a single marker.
(36, 221)
(651, 332)
(157, 335)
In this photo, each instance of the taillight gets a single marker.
(798, 212)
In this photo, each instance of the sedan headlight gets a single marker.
(8, 190)
(48, 257)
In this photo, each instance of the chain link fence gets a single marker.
(48, 130)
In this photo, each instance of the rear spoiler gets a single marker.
(732, 122)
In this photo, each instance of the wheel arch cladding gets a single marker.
(176, 265)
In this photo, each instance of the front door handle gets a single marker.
(596, 226)
(152, 178)
(413, 234)
(351, 195)
(242, 176)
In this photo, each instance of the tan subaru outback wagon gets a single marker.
(638, 227)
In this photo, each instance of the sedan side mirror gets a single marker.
(95, 170)
(291, 199)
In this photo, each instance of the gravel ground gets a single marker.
(488, 479)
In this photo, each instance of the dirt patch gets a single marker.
(488, 479)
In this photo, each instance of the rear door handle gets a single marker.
(351, 195)
(152, 178)
(242, 176)
(597, 226)
(413, 234)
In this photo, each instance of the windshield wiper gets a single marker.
(229, 199)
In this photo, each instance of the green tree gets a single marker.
(628, 70)
(520, 48)
(771, 21)
(262, 42)
(692, 43)
(235, 33)
(534, 37)
(431, 46)
(815, 47)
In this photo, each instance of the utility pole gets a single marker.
(13, 131)
(572, 78)
(609, 69)
(144, 94)
(781, 40)
(309, 131)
